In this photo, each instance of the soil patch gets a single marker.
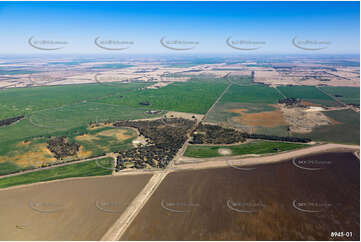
(238, 110)
(262, 119)
(302, 121)
(37, 156)
(119, 134)
(224, 151)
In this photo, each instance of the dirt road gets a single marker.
(203, 163)
(335, 99)
(127, 217)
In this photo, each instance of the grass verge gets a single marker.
(256, 147)
(88, 168)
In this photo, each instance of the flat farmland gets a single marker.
(348, 95)
(24, 152)
(20, 101)
(194, 96)
(278, 201)
(66, 120)
(77, 209)
(251, 94)
(81, 114)
(308, 93)
(100, 167)
(224, 111)
(261, 118)
(345, 130)
(55, 111)
(254, 147)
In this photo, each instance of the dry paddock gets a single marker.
(75, 209)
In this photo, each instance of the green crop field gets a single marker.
(8, 167)
(80, 114)
(194, 96)
(348, 95)
(256, 147)
(347, 131)
(65, 121)
(251, 94)
(99, 167)
(307, 93)
(20, 101)
(55, 111)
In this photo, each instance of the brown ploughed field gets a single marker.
(278, 201)
(75, 209)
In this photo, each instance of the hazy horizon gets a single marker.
(207, 27)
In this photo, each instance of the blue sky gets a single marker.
(208, 23)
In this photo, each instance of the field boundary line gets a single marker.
(69, 179)
(279, 91)
(52, 181)
(190, 163)
(117, 230)
(215, 103)
(332, 97)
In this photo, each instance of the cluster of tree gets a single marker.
(166, 137)
(214, 134)
(62, 148)
(290, 101)
(154, 155)
(278, 138)
(9, 121)
(146, 103)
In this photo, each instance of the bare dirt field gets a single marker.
(278, 201)
(73, 209)
(304, 120)
(263, 119)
